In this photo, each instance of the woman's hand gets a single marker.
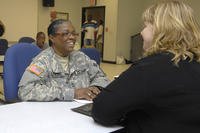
(88, 93)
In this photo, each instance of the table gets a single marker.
(47, 117)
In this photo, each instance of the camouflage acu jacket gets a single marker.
(46, 80)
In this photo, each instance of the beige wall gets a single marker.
(19, 17)
(195, 4)
(43, 17)
(129, 23)
(122, 19)
(110, 37)
(73, 7)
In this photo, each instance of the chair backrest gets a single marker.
(3, 46)
(26, 40)
(17, 58)
(93, 53)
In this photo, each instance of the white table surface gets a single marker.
(47, 117)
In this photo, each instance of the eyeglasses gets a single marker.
(67, 34)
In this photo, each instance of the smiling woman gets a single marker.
(65, 74)
(63, 38)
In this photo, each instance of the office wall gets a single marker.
(129, 23)
(19, 17)
(195, 6)
(73, 7)
(123, 19)
(110, 36)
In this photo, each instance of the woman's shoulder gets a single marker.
(78, 56)
(155, 59)
(44, 55)
(76, 53)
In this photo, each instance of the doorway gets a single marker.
(97, 13)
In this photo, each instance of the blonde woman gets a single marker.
(160, 93)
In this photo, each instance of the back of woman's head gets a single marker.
(175, 30)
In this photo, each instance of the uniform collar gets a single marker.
(57, 68)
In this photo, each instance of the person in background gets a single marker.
(40, 40)
(2, 29)
(160, 93)
(99, 38)
(89, 28)
(59, 72)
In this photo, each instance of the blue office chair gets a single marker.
(26, 40)
(93, 53)
(17, 58)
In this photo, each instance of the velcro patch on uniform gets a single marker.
(35, 69)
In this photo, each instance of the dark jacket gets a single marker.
(153, 96)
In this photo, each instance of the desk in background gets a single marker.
(1, 58)
(47, 117)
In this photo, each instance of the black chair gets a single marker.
(3, 49)
(3, 46)
(26, 40)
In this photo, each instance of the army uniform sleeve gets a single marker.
(97, 76)
(37, 85)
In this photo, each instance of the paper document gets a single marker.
(83, 101)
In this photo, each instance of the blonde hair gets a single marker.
(175, 30)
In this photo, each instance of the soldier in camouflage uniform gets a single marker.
(59, 72)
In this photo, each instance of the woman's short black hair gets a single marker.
(53, 27)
